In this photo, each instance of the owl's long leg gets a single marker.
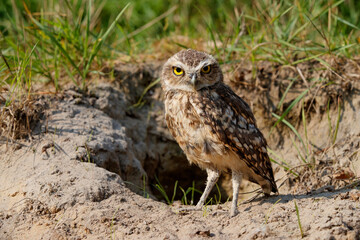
(212, 178)
(236, 181)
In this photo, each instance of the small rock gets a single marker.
(344, 162)
(73, 93)
(354, 194)
(78, 101)
(54, 209)
(343, 174)
(261, 232)
(47, 146)
(353, 235)
(45, 156)
(204, 233)
(344, 195)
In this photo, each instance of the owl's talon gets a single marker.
(234, 212)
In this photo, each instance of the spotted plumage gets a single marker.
(214, 127)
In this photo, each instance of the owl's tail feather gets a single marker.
(267, 186)
(274, 188)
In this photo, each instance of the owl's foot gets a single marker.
(234, 212)
(236, 181)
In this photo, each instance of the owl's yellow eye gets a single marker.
(178, 71)
(206, 69)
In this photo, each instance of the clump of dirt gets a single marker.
(19, 118)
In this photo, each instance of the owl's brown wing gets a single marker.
(231, 119)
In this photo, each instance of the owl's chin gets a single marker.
(186, 88)
(203, 85)
(189, 87)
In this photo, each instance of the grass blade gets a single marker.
(174, 193)
(101, 40)
(291, 127)
(192, 192)
(283, 164)
(346, 22)
(184, 198)
(329, 118)
(280, 119)
(53, 39)
(87, 31)
(285, 93)
(298, 218)
(270, 210)
(139, 102)
(298, 151)
(162, 190)
(218, 201)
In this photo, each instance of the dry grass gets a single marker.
(19, 118)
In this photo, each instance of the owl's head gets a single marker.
(190, 70)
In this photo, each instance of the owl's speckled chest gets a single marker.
(182, 120)
(195, 137)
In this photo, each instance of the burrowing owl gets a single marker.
(214, 127)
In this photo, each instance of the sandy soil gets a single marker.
(81, 174)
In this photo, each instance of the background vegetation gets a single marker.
(54, 41)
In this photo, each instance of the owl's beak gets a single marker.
(193, 79)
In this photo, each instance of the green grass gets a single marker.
(187, 197)
(270, 210)
(71, 40)
(298, 219)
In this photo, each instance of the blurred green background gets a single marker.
(191, 18)
(77, 37)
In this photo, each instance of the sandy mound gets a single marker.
(88, 171)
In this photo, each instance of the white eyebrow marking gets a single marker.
(204, 63)
(178, 64)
